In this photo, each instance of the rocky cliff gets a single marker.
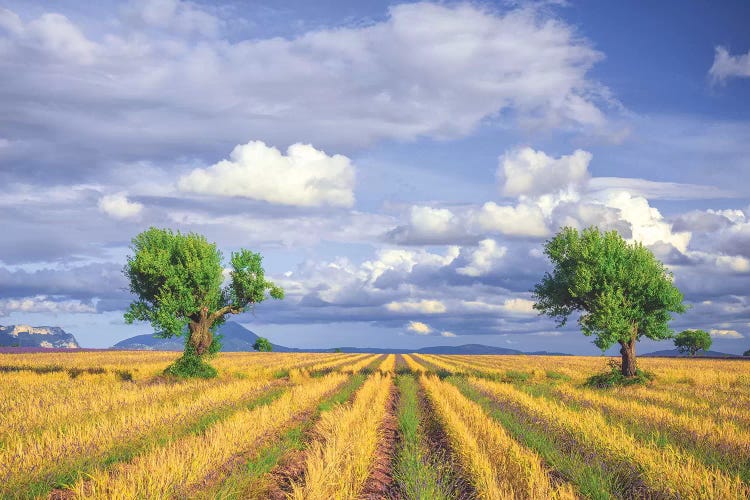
(50, 337)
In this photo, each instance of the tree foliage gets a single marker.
(263, 345)
(692, 341)
(622, 292)
(178, 278)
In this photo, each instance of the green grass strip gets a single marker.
(417, 477)
(591, 481)
(662, 438)
(161, 437)
(239, 483)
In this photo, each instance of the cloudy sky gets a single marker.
(399, 165)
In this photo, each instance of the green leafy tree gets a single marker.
(263, 345)
(692, 341)
(622, 292)
(178, 281)
(746, 353)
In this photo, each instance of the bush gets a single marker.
(614, 377)
(191, 365)
(124, 375)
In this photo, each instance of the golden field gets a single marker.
(321, 426)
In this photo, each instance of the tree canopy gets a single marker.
(178, 280)
(692, 341)
(263, 345)
(622, 292)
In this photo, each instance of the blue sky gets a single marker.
(399, 165)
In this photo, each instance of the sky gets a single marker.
(398, 165)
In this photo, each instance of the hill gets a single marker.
(237, 338)
(674, 353)
(47, 337)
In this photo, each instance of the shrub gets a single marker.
(124, 375)
(190, 364)
(614, 377)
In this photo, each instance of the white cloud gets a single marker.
(423, 306)
(646, 222)
(483, 259)
(422, 70)
(419, 328)
(526, 172)
(43, 304)
(726, 334)
(654, 190)
(172, 15)
(118, 206)
(430, 226)
(519, 306)
(447, 334)
(727, 66)
(304, 176)
(524, 219)
(733, 263)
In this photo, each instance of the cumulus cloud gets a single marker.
(531, 173)
(647, 224)
(483, 259)
(118, 206)
(727, 66)
(447, 334)
(431, 226)
(733, 263)
(423, 306)
(419, 328)
(726, 334)
(304, 176)
(524, 219)
(44, 304)
(519, 306)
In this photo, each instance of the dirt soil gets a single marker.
(380, 484)
(439, 454)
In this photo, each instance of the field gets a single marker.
(322, 426)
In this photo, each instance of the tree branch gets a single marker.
(231, 308)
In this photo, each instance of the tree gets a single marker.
(746, 353)
(622, 292)
(263, 345)
(178, 281)
(692, 341)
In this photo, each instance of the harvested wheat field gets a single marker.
(321, 426)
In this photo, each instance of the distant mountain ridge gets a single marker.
(47, 337)
(674, 353)
(236, 338)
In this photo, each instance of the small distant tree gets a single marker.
(338, 349)
(263, 345)
(622, 292)
(746, 353)
(177, 279)
(692, 341)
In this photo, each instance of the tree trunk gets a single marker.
(200, 332)
(628, 356)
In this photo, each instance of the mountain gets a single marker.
(235, 338)
(674, 353)
(48, 337)
(467, 349)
